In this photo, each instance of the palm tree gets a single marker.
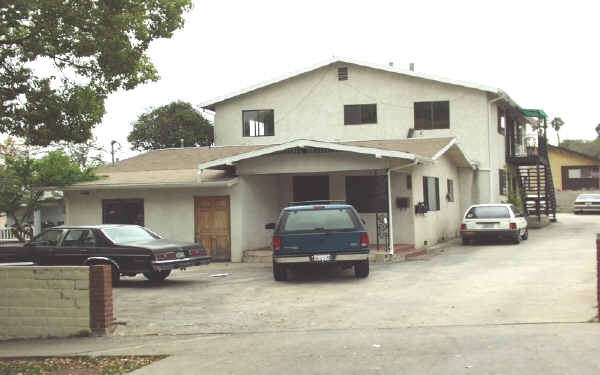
(557, 123)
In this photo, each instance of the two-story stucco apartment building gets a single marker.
(410, 151)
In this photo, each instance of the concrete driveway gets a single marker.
(548, 278)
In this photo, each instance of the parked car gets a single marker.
(586, 203)
(129, 249)
(493, 221)
(308, 233)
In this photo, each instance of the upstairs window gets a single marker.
(258, 123)
(343, 74)
(432, 115)
(360, 114)
(431, 193)
(501, 121)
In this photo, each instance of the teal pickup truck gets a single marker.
(316, 233)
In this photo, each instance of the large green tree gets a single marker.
(166, 126)
(59, 59)
(23, 178)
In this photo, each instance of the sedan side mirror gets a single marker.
(270, 226)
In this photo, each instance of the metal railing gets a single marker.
(7, 234)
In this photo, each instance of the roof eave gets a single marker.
(207, 184)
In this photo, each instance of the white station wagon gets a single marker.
(493, 221)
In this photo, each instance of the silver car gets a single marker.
(587, 203)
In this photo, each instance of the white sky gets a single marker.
(544, 54)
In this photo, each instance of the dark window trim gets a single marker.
(257, 110)
(426, 193)
(432, 102)
(362, 121)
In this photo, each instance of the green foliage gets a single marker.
(96, 47)
(591, 148)
(164, 127)
(22, 179)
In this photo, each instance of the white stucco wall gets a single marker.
(261, 205)
(168, 212)
(435, 226)
(311, 106)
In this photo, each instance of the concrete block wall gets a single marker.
(38, 301)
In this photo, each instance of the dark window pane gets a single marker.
(423, 116)
(431, 193)
(352, 114)
(441, 115)
(369, 113)
(123, 211)
(368, 194)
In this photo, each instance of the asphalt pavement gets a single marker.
(485, 309)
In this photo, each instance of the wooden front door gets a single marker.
(212, 226)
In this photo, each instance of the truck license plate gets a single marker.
(322, 258)
(180, 254)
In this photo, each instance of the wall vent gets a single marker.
(343, 74)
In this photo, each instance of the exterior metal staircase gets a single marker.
(535, 181)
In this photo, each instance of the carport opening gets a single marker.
(123, 211)
(311, 188)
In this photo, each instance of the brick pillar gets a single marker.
(101, 300)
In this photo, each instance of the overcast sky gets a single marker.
(544, 54)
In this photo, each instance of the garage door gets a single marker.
(212, 227)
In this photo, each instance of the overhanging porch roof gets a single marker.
(420, 150)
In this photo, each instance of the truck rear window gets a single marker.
(488, 212)
(307, 220)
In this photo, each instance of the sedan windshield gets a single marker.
(488, 212)
(129, 234)
(588, 196)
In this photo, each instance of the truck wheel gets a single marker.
(157, 276)
(361, 269)
(279, 272)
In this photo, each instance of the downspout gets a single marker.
(390, 205)
(490, 102)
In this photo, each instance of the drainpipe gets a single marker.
(491, 192)
(390, 205)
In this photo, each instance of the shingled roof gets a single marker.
(179, 167)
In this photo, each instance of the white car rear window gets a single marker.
(488, 212)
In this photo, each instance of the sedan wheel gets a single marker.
(157, 275)
(525, 235)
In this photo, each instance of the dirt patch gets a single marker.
(75, 365)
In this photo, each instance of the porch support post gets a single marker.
(390, 222)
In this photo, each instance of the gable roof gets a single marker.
(422, 150)
(211, 103)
